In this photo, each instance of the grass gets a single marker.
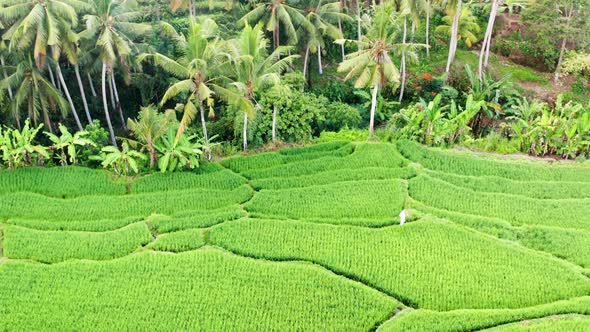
(349, 202)
(426, 264)
(53, 247)
(472, 320)
(305, 238)
(38, 207)
(551, 324)
(186, 240)
(470, 164)
(199, 290)
(518, 210)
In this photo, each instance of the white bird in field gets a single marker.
(402, 217)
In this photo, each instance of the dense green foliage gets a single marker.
(52, 247)
(420, 264)
(306, 238)
(190, 239)
(195, 290)
(470, 320)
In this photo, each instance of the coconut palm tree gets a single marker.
(33, 93)
(202, 54)
(40, 24)
(372, 65)
(254, 70)
(112, 29)
(324, 20)
(44, 24)
(467, 30)
(277, 13)
(149, 127)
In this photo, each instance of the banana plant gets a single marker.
(177, 154)
(122, 162)
(66, 144)
(18, 147)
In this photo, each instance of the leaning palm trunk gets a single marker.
(91, 85)
(112, 94)
(305, 61)
(373, 109)
(106, 106)
(118, 103)
(245, 137)
(205, 134)
(320, 69)
(82, 93)
(403, 62)
(562, 49)
(6, 77)
(358, 22)
(488, 37)
(67, 93)
(341, 34)
(274, 124)
(51, 78)
(454, 37)
(428, 28)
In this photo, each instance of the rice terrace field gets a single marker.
(302, 239)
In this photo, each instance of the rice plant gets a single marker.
(426, 264)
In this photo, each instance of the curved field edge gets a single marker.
(564, 323)
(472, 320)
(565, 244)
(426, 264)
(59, 246)
(190, 291)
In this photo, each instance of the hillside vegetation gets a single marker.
(306, 238)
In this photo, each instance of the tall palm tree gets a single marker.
(254, 70)
(407, 9)
(453, 10)
(277, 13)
(149, 127)
(112, 29)
(33, 93)
(468, 27)
(487, 41)
(44, 24)
(372, 65)
(202, 54)
(40, 24)
(324, 20)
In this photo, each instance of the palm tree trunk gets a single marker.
(245, 134)
(320, 69)
(403, 62)
(488, 37)
(373, 108)
(413, 33)
(56, 81)
(6, 76)
(342, 34)
(274, 124)
(118, 103)
(51, 78)
(358, 21)
(105, 105)
(82, 93)
(191, 8)
(562, 49)
(91, 85)
(112, 94)
(204, 127)
(454, 31)
(428, 8)
(47, 120)
(67, 93)
(305, 60)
